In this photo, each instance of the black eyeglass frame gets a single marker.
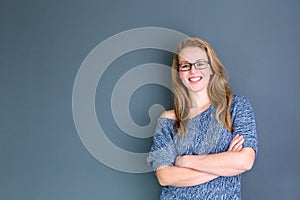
(191, 65)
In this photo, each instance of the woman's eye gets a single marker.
(185, 66)
(200, 64)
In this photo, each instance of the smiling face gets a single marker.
(195, 80)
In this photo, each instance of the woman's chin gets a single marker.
(196, 89)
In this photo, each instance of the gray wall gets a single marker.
(43, 44)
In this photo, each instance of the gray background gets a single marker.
(43, 43)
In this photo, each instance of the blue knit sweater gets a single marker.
(205, 136)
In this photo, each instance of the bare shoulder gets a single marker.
(170, 114)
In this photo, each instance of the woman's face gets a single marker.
(195, 80)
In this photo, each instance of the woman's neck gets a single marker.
(199, 102)
(199, 99)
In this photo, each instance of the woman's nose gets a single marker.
(193, 69)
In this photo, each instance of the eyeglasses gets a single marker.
(186, 66)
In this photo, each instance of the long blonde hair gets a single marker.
(218, 88)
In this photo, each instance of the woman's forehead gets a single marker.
(192, 54)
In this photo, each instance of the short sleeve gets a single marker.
(244, 121)
(162, 152)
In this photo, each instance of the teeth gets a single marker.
(195, 79)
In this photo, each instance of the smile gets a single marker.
(195, 79)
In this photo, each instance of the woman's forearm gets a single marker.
(228, 163)
(182, 177)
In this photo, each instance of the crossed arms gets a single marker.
(191, 170)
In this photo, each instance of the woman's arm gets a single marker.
(181, 177)
(184, 177)
(228, 163)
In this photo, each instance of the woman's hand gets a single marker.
(183, 161)
(237, 143)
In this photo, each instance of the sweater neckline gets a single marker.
(203, 113)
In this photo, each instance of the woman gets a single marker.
(201, 148)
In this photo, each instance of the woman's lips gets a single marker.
(195, 79)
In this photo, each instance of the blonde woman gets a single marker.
(201, 148)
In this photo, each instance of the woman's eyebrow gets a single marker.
(200, 59)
